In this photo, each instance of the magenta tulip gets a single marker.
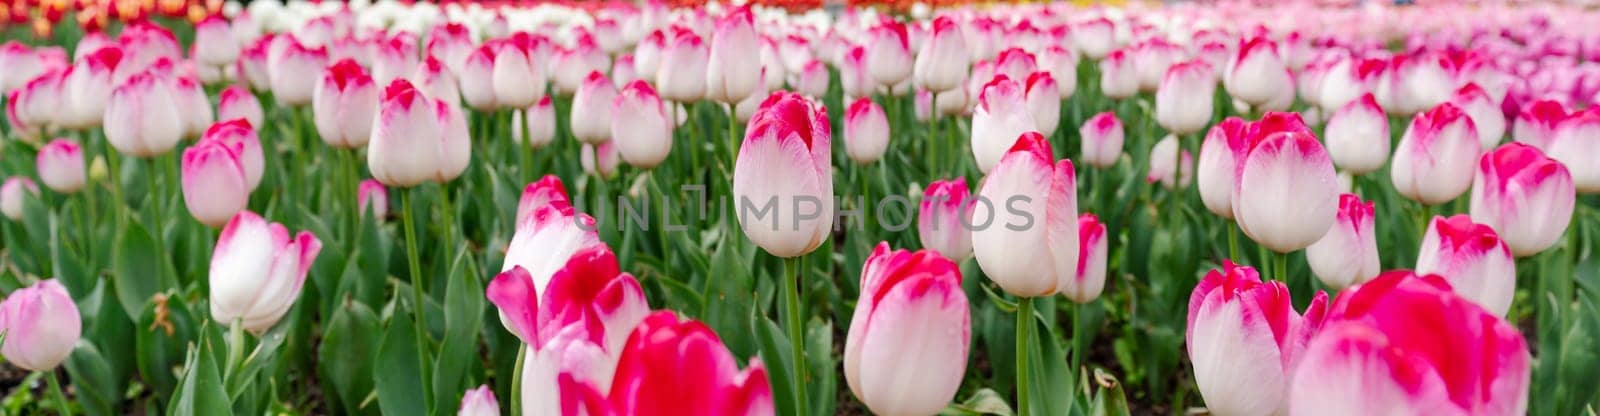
(906, 351)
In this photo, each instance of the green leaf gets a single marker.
(1050, 380)
(463, 316)
(345, 358)
(398, 372)
(1109, 400)
(164, 329)
(822, 380)
(985, 401)
(266, 348)
(732, 296)
(36, 220)
(201, 392)
(141, 269)
(775, 354)
(92, 381)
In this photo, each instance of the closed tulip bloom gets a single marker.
(600, 159)
(1001, 117)
(1286, 164)
(1016, 64)
(1433, 163)
(1151, 60)
(589, 291)
(477, 78)
(541, 123)
(450, 43)
(1527, 197)
(1026, 239)
(853, 75)
(11, 196)
(239, 135)
(237, 102)
(1184, 101)
(1349, 79)
(1358, 136)
(1090, 277)
(1396, 345)
(1233, 314)
(295, 70)
(38, 103)
(677, 367)
(1347, 254)
(622, 71)
(1062, 64)
(1421, 81)
(394, 57)
(372, 197)
(941, 64)
(643, 134)
(416, 138)
(214, 43)
(214, 184)
(591, 109)
(1576, 143)
(866, 131)
(87, 88)
(142, 118)
(344, 104)
(681, 75)
(732, 74)
(1537, 123)
(812, 80)
(888, 53)
(1118, 79)
(257, 270)
(1102, 137)
(1044, 101)
(518, 72)
(1485, 112)
(1095, 38)
(922, 106)
(538, 194)
(545, 238)
(479, 402)
(647, 55)
(1169, 165)
(436, 80)
(906, 351)
(572, 65)
(1473, 258)
(1256, 73)
(941, 219)
(1224, 145)
(252, 65)
(41, 324)
(22, 64)
(60, 165)
(786, 162)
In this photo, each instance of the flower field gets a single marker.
(798, 208)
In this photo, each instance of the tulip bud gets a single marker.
(38, 103)
(786, 163)
(1224, 145)
(41, 324)
(1283, 164)
(1372, 358)
(795, 49)
(1090, 276)
(1102, 140)
(1095, 38)
(1525, 196)
(1576, 144)
(1347, 254)
(252, 65)
(911, 322)
(1433, 163)
(812, 80)
(477, 78)
(866, 131)
(518, 71)
(644, 137)
(853, 75)
(1016, 64)
(214, 43)
(1420, 82)
(622, 71)
(237, 102)
(666, 365)
(731, 73)
(372, 197)
(1118, 78)
(479, 402)
(1233, 314)
(941, 221)
(142, 118)
(541, 123)
(1168, 165)
(344, 103)
(1485, 113)
(450, 43)
(1002, 116)
(87, 88)
(436, 80)
(1473, 258)
(60, 165)
(1184, 102)
(11, 196)
(1349, 79)
(1151, 60)
(237, 134)
(1034, 245)
(591, 109)
(888, 53)
(416, 138)
(1358, 136)
(294, 71)
(600, 159)
(647, 55)
(940, 66)
(573, 65)
(214, 184)
(257, 271)
(681, 75)
(1257, 73)
(1538, 122)
(393, 57)
(1044, 102)
(922, 106)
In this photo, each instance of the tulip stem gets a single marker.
(1233, 240)
(1077, 337)
(55, 390)
(791, 299)
(153, 199)
(235, 347)
(525, 148)
(417, 285)
(1282, 268)
(114, 174)
(516, 380)
(1024, 338)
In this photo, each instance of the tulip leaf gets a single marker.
(731, 298)
(344, 357)
(37, 221)
(985, 401)
(463, 315)
(141, 269)
(1049, 378)
(163, 330)
(776, 354)
(822, 380)
(201, 391)
(1109, 400)
(398, 372)
(92, 380)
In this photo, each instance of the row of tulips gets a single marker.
(965, 114)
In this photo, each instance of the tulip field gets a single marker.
(799, 207)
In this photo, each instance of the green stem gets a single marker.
(516, 379)
(791, 299)
(417, 283)
(55, 391)
(235, 347)
(1282, 268)
(1078, 352)
(153, 198)
(114, 173)
(1233, 240)
(1024, 339)
(526, 148)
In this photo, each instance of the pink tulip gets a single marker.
(21, 64)
(416, 138)
(236, 102)
(1184, 101)
(257, 271)
(854, 77)
(1170, 166)
(888, 53)
(479, 402)
(588, 291)
(41, 324)
(1349, 79)
(786, 162)
(1118, 78)
(1485, 114)
(450, 43)
(866, 131)
(252, 65)
(1044, 101)
(1538, 122)
(239, 135)
(1358, 136)
(600, 159)
(1002, 116)
(1151, 60)
(681, 75)
(911, 322)
(548, 232)
(1348, 254)
(436, 80)
(647, 55)
(672, 367)
(393, 57)
(541, 123)
(641, 127)
(60, 165)
(622, 71)
(1472, 258)
(1033, 246)
(1224, 145)
(1102, 137)
(731, 73)
(1244, 339)
(1016, 64)
(1433, 163)
(1394, 346)
(922, 106)
(1419, 82)
(294, 71)
(940, 65)
(142, 118)
(1524, 195)
(1281, 164)
(591, 109)
(1256, 73)
(795, 50)
(214, 183)
(214, 43)
(945, 208)
(344, 104)
(812, 80)
(86, 88)
(1575, 143)
(1095, 38)
(145, 43)
(372, 197)
(477, 78)
(1090, 276)
(1062, 64)
(11, 195)
(572, 65)
(37, 104)
(518, 72)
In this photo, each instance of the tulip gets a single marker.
(1095, 38)
(214, 183)
(416, 138)
(1183, 104)
(372, 197)
(394, 57)
(1151, 60)
(1348, 254)
(41, 324)
(479, 402)
(1358, 136)
(252, 65)
(644, 137)
(731, 73)
(681, 75)
(588, 291)
(1224, 145)
(1281, 164)
(1002, 116)
(1472, 258)
(547, 234)
(785, 161)
(591, 109)
(647, 55)
(853, 75)
(888, 53)
(1257, 72)
(600, 159)
(911, 322)
(36, 104)
(567, 373)
(257, 271)
(952, 102)
(676, 367)
(450, 43)
(1527, 197)
(343, 104)
(866, 131)
(87, 88)
(1420, 81)
(922, 106)
(214, 43)
(238, 135)
(11, 196)
(477, 79)
(518, 71)
(236, 102)
(1118, 78)
(746, 108)
(940, 65)
(1090, 276)
(622, 71)
(60, 165)
(1044, 101)
(1233, 315)
(1016, 64)
(941, 221)
(812, 80)
(436, 80)
(1034, 246)
(1102, 137)
(1485, 114)
(294, 71)
(142, 118)
(1168, 165)
(572, 65)
(1395, 346)
(22, 64)
(1538, 122)
(1349, 79)
(1062, 64)
(541, 123)
(1576, 143)
(1433, 163)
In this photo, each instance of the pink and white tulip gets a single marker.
(941, 64)
(1485, 112)
(42, 326)
(393, 57)
(1095, 38)
(1347, 254)
(853, 75)
(911, 322)
(437, 80)
(1358, 136)
(214, 43)
(541, 123)
(786, 163)
(240, 136)
(1001, 117)
(373, 198)
(1434, 160)
(1033, 245)
(1537, 123)
(1224, 145)
(142, 117)
(1233, 314)
(812, 80)
(888, 53)
(343, 105)
(1184, 101)
(1527, 197)
(294, 71)
(1170, 166)
(1289, 163)
(1118, 78)
(731, 73)
(257, 270)
(479, 402)
(942, 218)
(1473, 258)
(641, 127)
(600, 159)
(1090, 276)
(1044, 101)
(591, 109)
(1576, 144)
(87, 88)
(61, 167)
(11, 195)
(518, 72)
(1257, 72)
(675, 367)
(237, 102)
(416, 138)
(681, 75)
(866, 131)
(1102, 137)
(214, 183)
